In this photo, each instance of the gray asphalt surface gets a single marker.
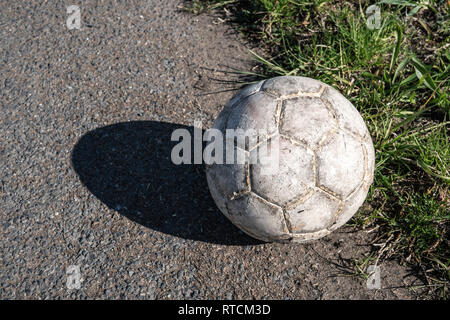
(85, 176)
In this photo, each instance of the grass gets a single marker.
(398, 77)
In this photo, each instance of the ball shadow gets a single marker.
(128, 167)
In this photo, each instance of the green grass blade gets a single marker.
(399, 68)
(423, 74)
(396, 48)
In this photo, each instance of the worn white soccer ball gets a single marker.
(325, 168)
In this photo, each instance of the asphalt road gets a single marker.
(86, 183)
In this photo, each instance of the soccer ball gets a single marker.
(324, 166)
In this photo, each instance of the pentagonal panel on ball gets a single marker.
(313, 214)
(306, 119)
(222, 118)
(290, 85)
(244, 93)
(258, 218)
(347, 115)
(230, 177)
(290, 175)
(341, 164)
(253, 120)
(351, 206)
